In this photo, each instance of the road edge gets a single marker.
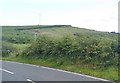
(55, 69)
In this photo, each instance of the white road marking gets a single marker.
(30, 80)
(6, 71)
(75, 73)
(68, 72)
(32, 65)
(13, 62)
(61, 71)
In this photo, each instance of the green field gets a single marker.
(65, 47)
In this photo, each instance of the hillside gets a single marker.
(63, 46)
(53, 31)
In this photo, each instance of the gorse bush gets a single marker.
(78, 49)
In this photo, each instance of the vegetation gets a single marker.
(66, 47)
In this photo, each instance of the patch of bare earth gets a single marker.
(38, 31)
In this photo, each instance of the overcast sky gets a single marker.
(101, 15)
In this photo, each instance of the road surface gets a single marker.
(14, 71)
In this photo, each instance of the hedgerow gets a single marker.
(78, 49)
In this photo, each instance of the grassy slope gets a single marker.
(56, 32)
